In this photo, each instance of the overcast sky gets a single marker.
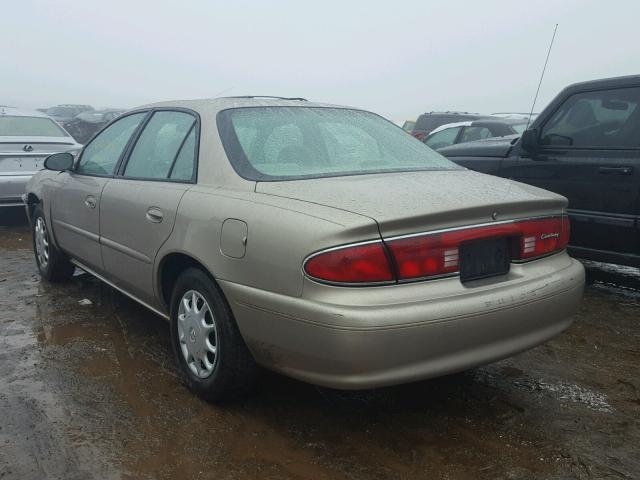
(396, 58)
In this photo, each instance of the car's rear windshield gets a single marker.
(283, 143)
(91, 117)
(14, 126)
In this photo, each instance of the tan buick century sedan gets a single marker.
(318, 241)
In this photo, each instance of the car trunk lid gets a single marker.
(411, 202)
(20, 156)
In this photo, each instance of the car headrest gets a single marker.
(581, 115)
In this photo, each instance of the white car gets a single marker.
(472, 130)
(26, 139)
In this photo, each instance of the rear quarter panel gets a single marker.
(281, 234)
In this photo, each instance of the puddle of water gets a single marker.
(15, 238)
(620, 277)
(566, 391)
(560, 391)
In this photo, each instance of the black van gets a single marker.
(586, 146)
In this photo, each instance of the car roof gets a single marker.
(498, 121)
(451, 112)
(213, 105)
(214, 170)
(514, 115)
(21, 112)
(603, 83)
(71, 105)
(103, 110)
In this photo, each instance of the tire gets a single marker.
(217, 376)
(53, 265)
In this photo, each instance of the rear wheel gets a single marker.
(52, 263)
(212, 357)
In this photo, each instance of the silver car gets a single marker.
(318, 241)
(26, 139)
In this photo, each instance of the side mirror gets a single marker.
(530, 139)
(59, 162)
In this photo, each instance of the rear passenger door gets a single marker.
(139, 204)
(590, 153)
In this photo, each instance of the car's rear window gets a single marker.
(519, 127)
(14, 126)
(91, 117)
(281, 143)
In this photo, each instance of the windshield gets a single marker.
(280, 143)
(11, 126)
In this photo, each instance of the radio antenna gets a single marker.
(542, 76)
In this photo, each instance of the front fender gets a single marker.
(41, 189)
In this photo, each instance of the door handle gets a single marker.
(90, 202)
(154, 215)
(615, 170)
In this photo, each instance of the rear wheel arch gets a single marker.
(32, 201)
(170, 268)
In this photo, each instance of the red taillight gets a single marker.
(366, 263)
(425, 255)
(541, 237)
(437, 253)
(434, 254)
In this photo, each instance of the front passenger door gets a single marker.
(139, 205)
(75, 206)
(590, 153)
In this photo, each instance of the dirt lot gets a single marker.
(89, 391)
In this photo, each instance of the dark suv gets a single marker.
(586, 146)
(432, 120)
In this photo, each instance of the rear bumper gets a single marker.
(366, 346)
(12, 188)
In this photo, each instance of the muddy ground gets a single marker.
(89, 391)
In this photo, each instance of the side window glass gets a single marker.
(471, 134)
(158, 145)
(185, 161)
(600, 119)
(102, 154)
(443, 138)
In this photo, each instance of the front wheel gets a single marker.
(53, 265)
(212, 357)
